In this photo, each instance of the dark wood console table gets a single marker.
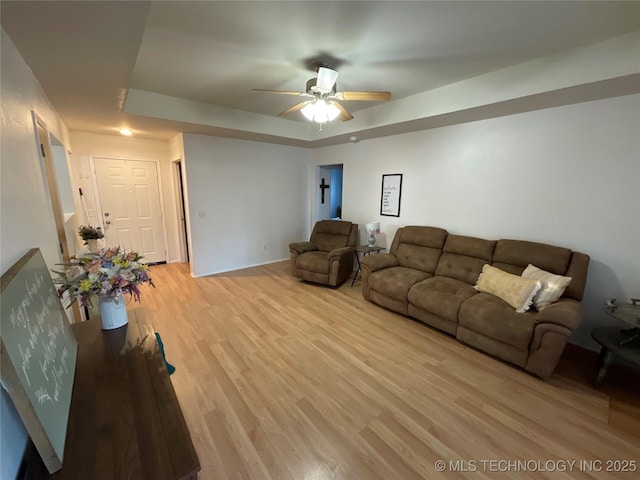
(125, 420)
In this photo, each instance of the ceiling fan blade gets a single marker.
(281, 92)
(326, 79)
(366, 96)
(344, 115)
(295, 108)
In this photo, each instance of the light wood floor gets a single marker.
(282, 380)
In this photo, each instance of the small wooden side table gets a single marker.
(613, 344)
(364, 250)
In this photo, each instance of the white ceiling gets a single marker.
(87, 55)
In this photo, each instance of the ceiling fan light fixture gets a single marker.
(322, 92)
(320, 111)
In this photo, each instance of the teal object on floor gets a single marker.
(170, 368)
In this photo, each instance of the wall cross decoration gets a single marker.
(323, 187)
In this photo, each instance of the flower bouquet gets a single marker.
(109, 275)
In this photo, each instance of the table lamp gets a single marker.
(372, 229)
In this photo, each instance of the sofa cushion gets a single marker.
(513, 289)
(328, 235)
(334, 227)
(326, 242)
(514, 255)
(470, 246)
(489, 315)
(441, 295)
(314, 262)
(396, 281)
(463, 257)
(419, 247)
(552, 286)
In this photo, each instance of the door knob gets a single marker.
(106, 214)
(108, 222)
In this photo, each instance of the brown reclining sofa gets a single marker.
(430, 275)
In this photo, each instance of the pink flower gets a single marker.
(94, 267)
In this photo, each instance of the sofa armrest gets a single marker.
(565, 312)
(340, 264)
(339, 252)
(301, 247)
(373, 263)
(554, 325)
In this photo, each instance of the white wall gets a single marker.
(86, 145)
(25, 219)
(568, 176)
(247, 201)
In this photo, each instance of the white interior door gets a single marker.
(130, 204)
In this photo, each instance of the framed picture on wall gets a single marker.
(391, 193)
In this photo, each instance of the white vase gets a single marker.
(92, 245)
(113, 314)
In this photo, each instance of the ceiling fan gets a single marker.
(323, 106)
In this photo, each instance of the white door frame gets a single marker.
(52, 193)
(181, 208)
(98, 204)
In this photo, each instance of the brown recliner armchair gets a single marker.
(328, 257)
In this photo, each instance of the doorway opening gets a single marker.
(182, 219)
(329, 180)
(57, 184)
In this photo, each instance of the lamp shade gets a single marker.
(326, 79)
(373, 228)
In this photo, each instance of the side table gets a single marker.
(614, 345)
(364, 250)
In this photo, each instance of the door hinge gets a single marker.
(42, 150)
(61, 249)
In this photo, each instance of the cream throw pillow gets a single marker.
(516, 291)
(553, 286)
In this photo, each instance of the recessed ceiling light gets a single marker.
(126, 132)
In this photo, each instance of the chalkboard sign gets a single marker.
(391, 193)
(38, 354)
